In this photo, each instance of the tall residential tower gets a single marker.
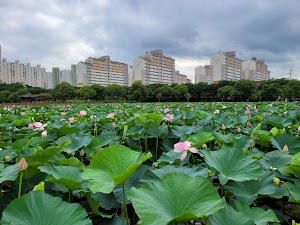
(255, 69)
(154, 67)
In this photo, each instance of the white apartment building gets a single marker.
(182, 79)
(101, 71)
(226, 66)
(13, 72)
(47, 80)
(154, 67)
(255, 69)
(203, 74)
(65, 76)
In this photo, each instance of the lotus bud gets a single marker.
(285, 148)
(238, 130)
(7, 158)
(22, 165)
(276, 181)
(223, 126)
(209, 172)
(69, 152)
(81, 153)
(113, 124)
(204, 146)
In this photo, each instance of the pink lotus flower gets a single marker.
(166, 110)
(44, 133)
(184, 147)
(71, 119)
(82, 113)
(63, 114)
(169, 117)
(217, 111)
(30, 126)
(22, 165)
(121, 111)
(23, 113)
(298, 128)
(247, 112)
(111, 115)
(136, 115)
(39, 126)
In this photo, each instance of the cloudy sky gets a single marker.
(58, 33)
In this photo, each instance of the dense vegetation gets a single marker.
(150, 164)
(243, 90)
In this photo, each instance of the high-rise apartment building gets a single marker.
(203, 74)
(154, 67)
(182, 79)
(226, 66)
(73, 75)
(255, 69)
(13, 72)
(101, 71)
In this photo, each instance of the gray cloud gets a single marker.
(59, 33)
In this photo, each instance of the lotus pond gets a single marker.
(150, 164)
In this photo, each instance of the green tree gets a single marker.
(100, 91)
(180, 91)
(138, 92)
(270, 92)
(291, 90)
(187, 96)
(224, 92)
(86, 92)
(115, 92)
(246, 88)
(167, 93)
(4, 95)
(14, 97)
(63, 91)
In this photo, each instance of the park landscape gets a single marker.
(211, 163)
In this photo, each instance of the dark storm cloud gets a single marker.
(64, 32)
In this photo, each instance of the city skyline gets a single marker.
(61, 33)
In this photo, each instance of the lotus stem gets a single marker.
(20, 184)
(146, 140)
(125, 206)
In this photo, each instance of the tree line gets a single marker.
(242, 90)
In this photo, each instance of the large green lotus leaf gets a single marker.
(277, 121)
(258, 215)
(201, 138)
(294, 167)
(178, 131)
(157, 174)
(221, 138)
(279, 160)
(132, 181)
(187, 114)
(77, 141)
(72, 161)
(262, 134)
(65, 129)
(68, 176)
(224, 120)
(42, 156)
(158, 131)
(169, 157)
(94, 146)
(19, 122)
(228, 216)
(295, 192)
(248, 191)
(280, 140)
(240, 120)
(176, 197)
(39, 208)
(232, 165)
(112, 166)
(9, 173)
(242, 142)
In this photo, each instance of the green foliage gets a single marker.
(86, 92)
(63, 91)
